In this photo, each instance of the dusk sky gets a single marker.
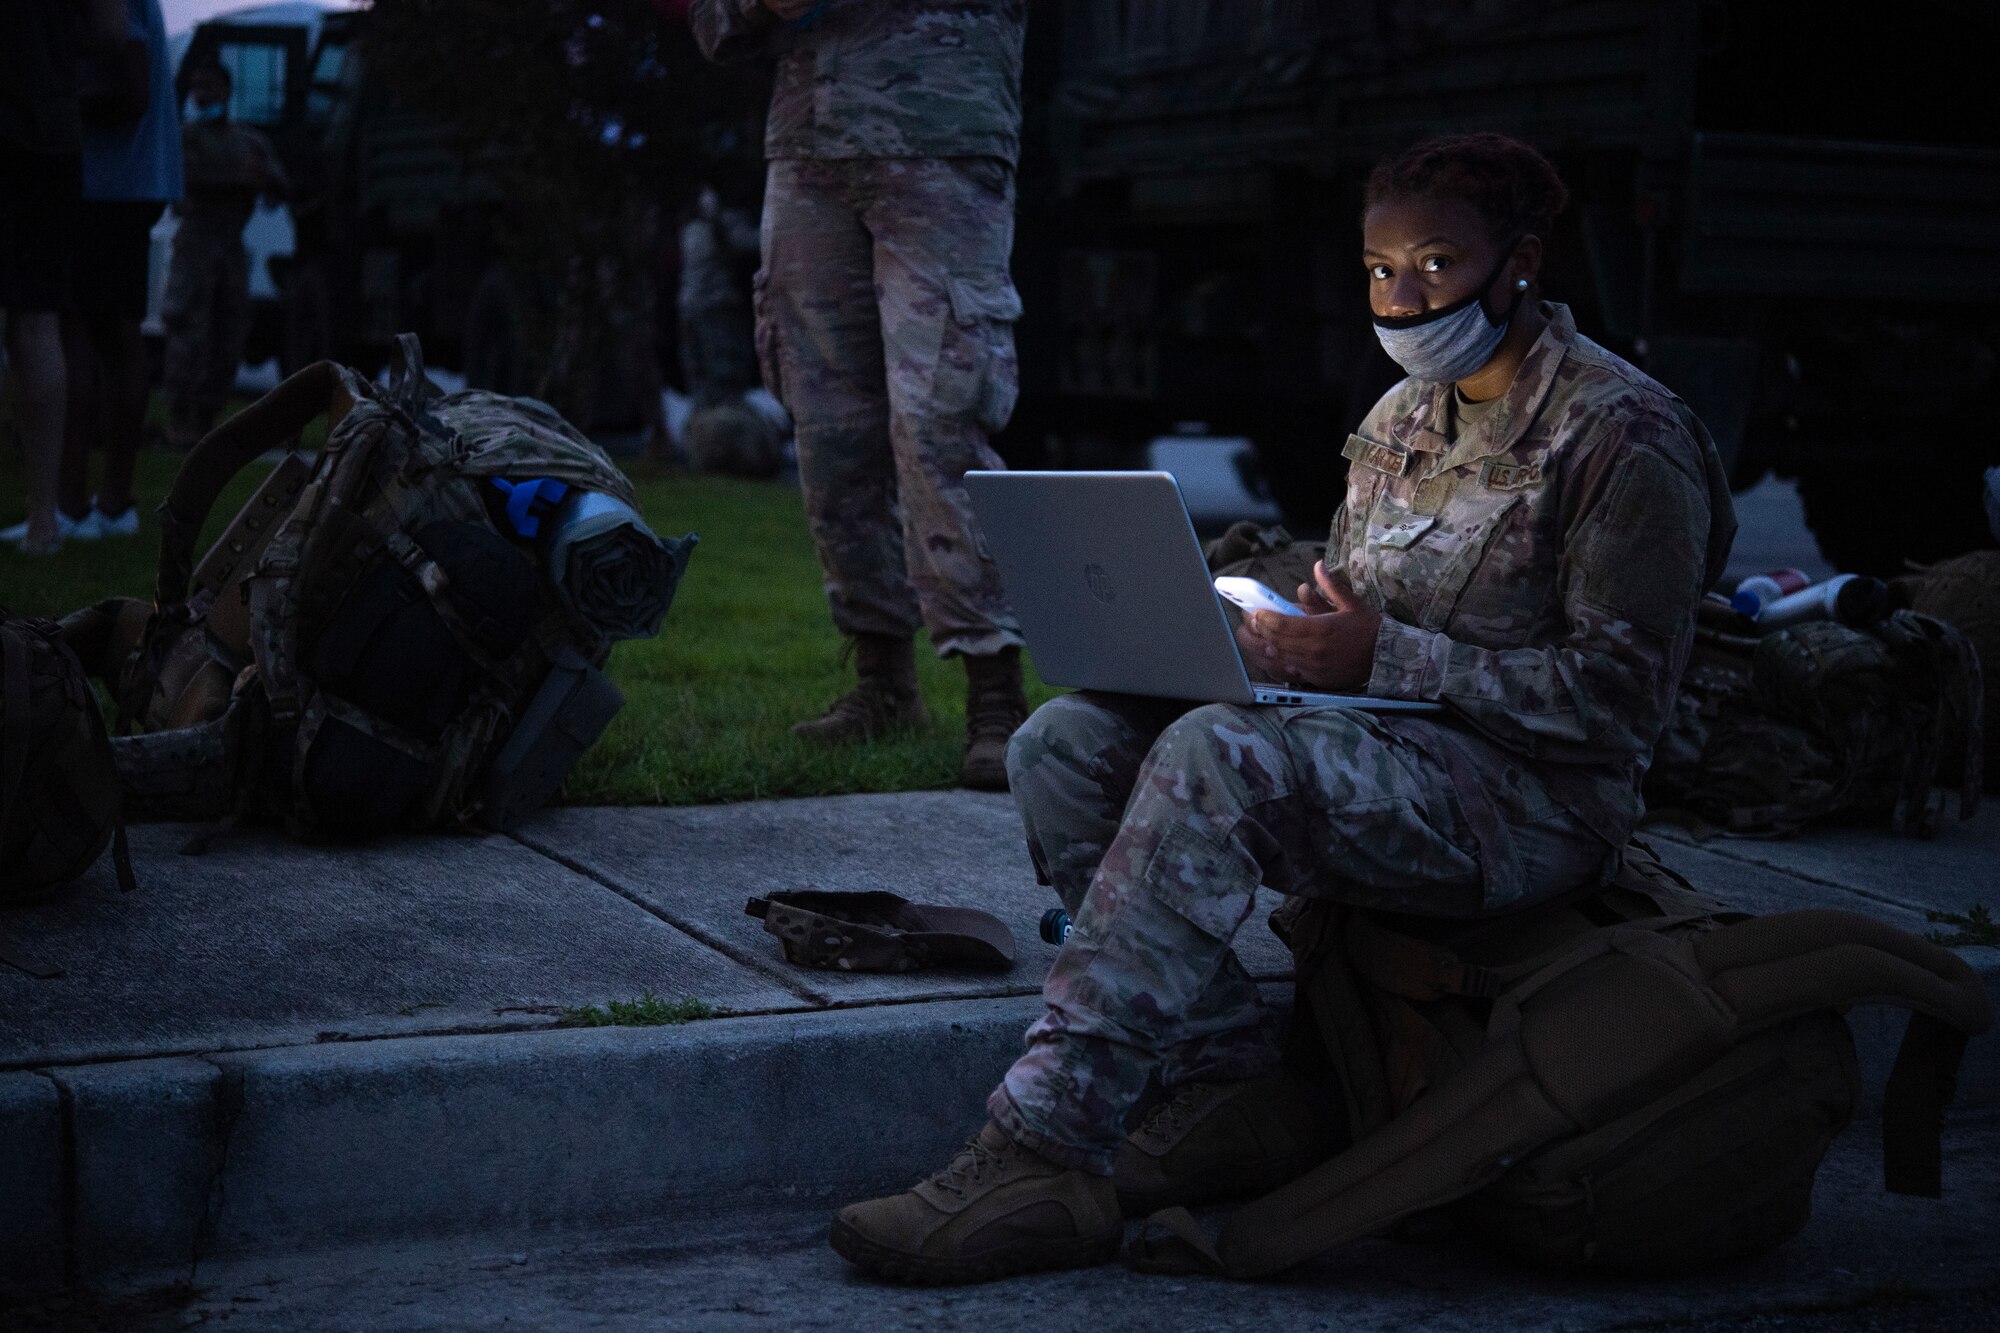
(184, 14)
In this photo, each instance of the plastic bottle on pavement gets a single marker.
(1760, 590)
(1056, 926)
(1851, 599)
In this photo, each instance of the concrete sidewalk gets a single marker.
(273, 1049)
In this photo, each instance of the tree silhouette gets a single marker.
(597, 120)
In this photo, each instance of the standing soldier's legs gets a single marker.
(819, 344)
(229, 330)
(697, 359)
(944, 229)
(186, 312)
(718, 356)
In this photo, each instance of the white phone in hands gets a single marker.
(1254, 596)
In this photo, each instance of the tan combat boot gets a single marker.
(995, 708)
(996, 1210)
(1211, 1141)
(884, 698)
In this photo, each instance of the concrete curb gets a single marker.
(177, 1161)
(32, 1221)
(137, 1172)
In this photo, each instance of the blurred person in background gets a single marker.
(41, 138)
(131, 171)
(206, 310)
(718, 353)
(885, 325)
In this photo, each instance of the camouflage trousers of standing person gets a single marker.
(1156, 824)
(885, 325)
(206, 312)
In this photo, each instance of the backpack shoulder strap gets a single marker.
(409, 387)
(221, 454)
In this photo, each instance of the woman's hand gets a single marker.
(1331, 647)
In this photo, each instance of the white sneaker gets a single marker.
(119, 525)
(18, 534)
(97, 523)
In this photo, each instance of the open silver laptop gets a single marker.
(1106, 575)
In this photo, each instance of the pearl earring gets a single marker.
(1520, 284)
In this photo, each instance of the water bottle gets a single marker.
(1760, 590)
(1056, 926)
(1851, 599)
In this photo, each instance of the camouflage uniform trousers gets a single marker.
(1156, 826)
(885, 321)
(206, 311)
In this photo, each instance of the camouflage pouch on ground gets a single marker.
(376, 626)
(881, 932)
(58, 789)
(1636, 1080)
(1816, 720)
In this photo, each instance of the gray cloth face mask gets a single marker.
(1453, 341)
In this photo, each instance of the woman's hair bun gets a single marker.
(1512, 186)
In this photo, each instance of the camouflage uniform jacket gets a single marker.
(882, 78)
(1539, 574)
(226, 165)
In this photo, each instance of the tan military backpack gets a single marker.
(405, 632)
(1637, 1080)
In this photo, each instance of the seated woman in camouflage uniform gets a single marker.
(1529, 524)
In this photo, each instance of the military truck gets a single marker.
(1787, 212)
(393, 225)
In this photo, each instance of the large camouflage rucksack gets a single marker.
(1774, 730)
(405, 632)
(1634, 1079)
(1964, 592)
(58, 789)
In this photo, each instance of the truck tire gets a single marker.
(494, 339)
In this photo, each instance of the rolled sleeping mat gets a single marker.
(609, 567)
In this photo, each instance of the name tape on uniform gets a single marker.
(1393, 459)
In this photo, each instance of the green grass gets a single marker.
(747, 650)
(648, 1011)
(1976, 926)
